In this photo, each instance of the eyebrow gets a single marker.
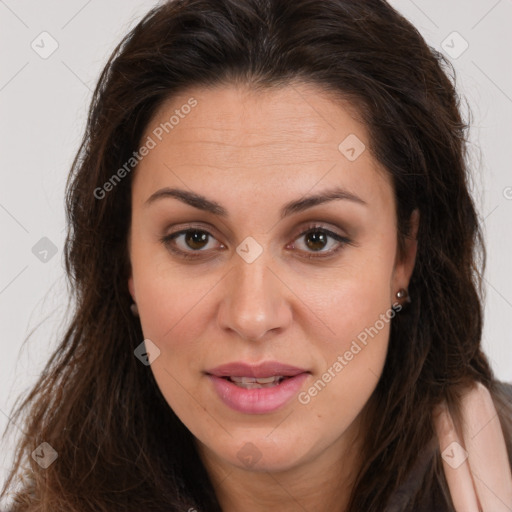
(208, 205)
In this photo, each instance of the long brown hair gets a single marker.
(119, 444)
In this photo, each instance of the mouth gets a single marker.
(257, 389)
(255, 383)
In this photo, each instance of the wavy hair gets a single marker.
(119, 444)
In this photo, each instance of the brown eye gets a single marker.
(187, 242)
(316, 240)
(196, 239)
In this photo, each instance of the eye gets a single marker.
(191, 239)
(189, 243)
(316, 238)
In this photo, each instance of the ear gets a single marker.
(403, 269)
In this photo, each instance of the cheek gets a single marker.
(169, 294)
(353, 354)
(352, 297)
(351, 357)
(169, 306)
(172, 313)
(357, 316)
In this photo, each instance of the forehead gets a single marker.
(292, 139)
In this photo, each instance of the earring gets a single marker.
(134, 309)
(403, 294)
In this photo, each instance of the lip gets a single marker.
(261, 400)
(262, 370)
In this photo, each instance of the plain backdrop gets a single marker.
(43, 103)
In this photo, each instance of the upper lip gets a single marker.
(259, 371)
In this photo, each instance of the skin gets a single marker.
(253, 153)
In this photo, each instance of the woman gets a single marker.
(275, 260)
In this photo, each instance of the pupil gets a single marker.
(316, 237)
(196, 237)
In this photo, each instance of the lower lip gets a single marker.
(257, 401)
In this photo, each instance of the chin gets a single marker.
(258, 453)
(267, 461)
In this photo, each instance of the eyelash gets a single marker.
(168, 239)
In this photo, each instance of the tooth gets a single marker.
(253, 380)
(255, 385)
(244, 380)
(267, 380)
(249, 380)
(251, 385)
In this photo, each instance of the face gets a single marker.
(263, 237)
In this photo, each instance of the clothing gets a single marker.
(472, 482)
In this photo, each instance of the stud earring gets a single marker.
(134, 309)
(403, 294)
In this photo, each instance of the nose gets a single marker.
(255, 300)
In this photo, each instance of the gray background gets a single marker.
(43, 103)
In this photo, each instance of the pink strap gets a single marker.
(477, 468)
